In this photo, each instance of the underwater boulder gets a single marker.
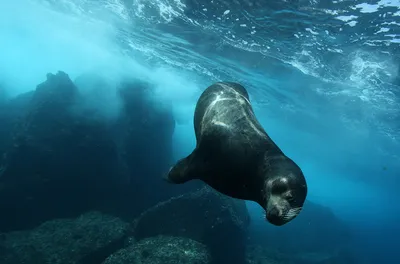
(314, 224)
(316, 236)
(207, 216)
(63, 153)
(256, 254)
(144, 135)
(3, 95)
(99, 98)
(57, 164)
(162, 250)
(146, 131)
(11, 110)
(141, 125)
(90, 238)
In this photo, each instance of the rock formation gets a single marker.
(90, 238)
(56, 165)
(162, 250)
(218, 221)
(316, 236)
(61, 156)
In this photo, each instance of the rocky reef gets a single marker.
(56, 165)
(89, 238)
(316, 236)
(81, 166)
(218, 221)
(162, 250)
(60, 157)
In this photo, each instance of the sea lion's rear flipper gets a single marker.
(186, 169)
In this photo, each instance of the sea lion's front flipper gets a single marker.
(186, 169)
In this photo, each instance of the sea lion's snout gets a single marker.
(275, 216)
(280, 212)
(277, 211)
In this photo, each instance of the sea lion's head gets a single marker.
(285, 195)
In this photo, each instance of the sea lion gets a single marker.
(235, 156)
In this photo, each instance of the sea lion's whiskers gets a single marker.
(292, 212)
(264, 214)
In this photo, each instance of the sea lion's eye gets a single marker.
(279, 188)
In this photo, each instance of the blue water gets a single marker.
(322, 76)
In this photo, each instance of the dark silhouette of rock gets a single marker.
(57, 165)
(142, 128)
(3, 94)
(218, 221)
(88, 239)
(11, 111)
(316, 236)
(162, 250)
(328, 257)
(256, 254)
(144, 136)
(315, 223)
(66, 150)
(98, 98)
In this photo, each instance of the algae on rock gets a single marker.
(162, 250)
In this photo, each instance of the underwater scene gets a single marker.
(199, 131)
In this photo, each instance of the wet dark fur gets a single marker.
(233, 154)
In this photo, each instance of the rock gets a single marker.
(3, 94)
(63, 153)
(314, 224)
(162, 250)
(216, 220)
(57, 165)
(322, 258)
(11, 111)
(142, 126)
(316, 236)
(256, 254)
(96, 92)
(144, 136)
(87, 239)
(146, 132)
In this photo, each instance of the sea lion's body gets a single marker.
(234, 154)
(235, 143)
